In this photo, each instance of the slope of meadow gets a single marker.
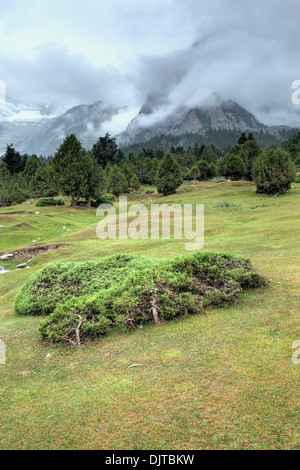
(222, 380)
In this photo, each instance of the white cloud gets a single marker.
(69, 52)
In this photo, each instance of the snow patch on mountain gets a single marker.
(10, 112)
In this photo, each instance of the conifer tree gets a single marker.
(134, 183)
(242, 139)
(274, 172)
(249, 153)
(68, 166)
(107, 151)
(235, 168)
(169, 176)
(92, 184)
(16, 195)
(194, 173)
(203, 168)
(117, 183)
(14, 162)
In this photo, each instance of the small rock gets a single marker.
(34, 241)
(2, 226)
(37, 213)
(6, 257)
(23, 265)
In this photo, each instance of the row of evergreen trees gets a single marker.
(87, 174)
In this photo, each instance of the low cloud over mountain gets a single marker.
(56, 56)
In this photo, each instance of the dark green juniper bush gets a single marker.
(274, 171)
(81, 301)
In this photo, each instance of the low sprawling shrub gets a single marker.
(49, 202)
(90, 299)
(223, 204)
(105, 199)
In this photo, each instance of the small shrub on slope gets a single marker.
(49, 202)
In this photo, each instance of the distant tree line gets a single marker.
(86, 175)
(222, 139)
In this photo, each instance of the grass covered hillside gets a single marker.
(222, 378)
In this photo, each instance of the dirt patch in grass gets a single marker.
(24, 373)
(12, 213)
(241, 183)
(31, 252)
(214, 185)
(23, 226)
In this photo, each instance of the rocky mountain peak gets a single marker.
(214, 113)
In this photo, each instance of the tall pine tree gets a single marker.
(169, 176)
(14, 162)
(107, 151)
(68, 165)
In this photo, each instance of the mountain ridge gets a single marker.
(223, 115)
(44, 136)
(44, 133)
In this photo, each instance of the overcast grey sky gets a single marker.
(70, 52)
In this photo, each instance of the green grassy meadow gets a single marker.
(222, 380)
